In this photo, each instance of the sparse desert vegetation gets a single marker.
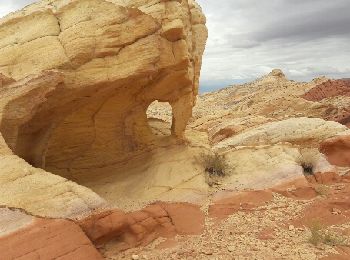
(307, 160)
(215, 167)
(320, 234)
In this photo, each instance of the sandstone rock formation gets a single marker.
(26, 237)
(76, 79)
(116, 230)
(265, 129)
(337, 150)
(305, 131)
(23, 236)
(336, 95)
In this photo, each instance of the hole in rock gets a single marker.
(86, 136)
(159, 115)
(103, 138)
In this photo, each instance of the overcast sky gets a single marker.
(248, 38)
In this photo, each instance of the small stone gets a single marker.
(207, 252)
(291, 228)
(135, 257)
(336, 211)
(230, 248)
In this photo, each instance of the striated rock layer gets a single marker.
(76, 78)
(337, 150)
(336, 93)
(35, 238)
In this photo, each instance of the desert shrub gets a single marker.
(316, 229)
(307, 161)
(214, 164)
(320, 235)
(334, 240)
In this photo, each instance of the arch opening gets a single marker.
(160, 119)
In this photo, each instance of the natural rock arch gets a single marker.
(160, 118)
(77, 78)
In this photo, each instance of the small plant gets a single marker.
(214, 164)
(334, 240)
(308, 168)
(320, 235)
(307, 161)
(316, 228)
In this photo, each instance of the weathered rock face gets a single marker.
(337, 149)
(76, 78)
(26, 237)
(330, 88)
(23, 236)
(111, 60)
(267, 129)
(305, 131)
(336, 93)
(116, 230)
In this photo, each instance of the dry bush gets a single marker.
(215, 167)
(214, 164)
(316, 229)
(308, 160)
(319, 235)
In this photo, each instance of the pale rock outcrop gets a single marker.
(267, 166)
(304, 131)
(76, 80)
(273, 153)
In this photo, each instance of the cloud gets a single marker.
(13, 5)
(305, 38)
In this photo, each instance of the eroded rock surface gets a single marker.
(26, 237)
(337, 150)
(76, 79)
(115, 230)
(266, 129)
(335, 93)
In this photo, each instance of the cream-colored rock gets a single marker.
(304, 131)
(12, 220)
(76, 80)
(266, 166)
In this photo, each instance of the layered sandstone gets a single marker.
(76, 79)
(27, 237)
(337, 149)
(334, 93)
